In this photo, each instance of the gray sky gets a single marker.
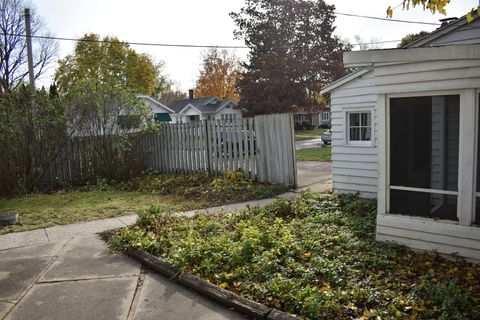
(207, 22)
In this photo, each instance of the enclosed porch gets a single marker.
(428, 146)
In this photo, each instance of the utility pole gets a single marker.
(29, 49)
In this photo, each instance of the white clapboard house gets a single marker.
(193, 109)
(406, 131)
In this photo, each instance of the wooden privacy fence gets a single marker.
(263, 147)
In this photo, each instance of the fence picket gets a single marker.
(263, 147)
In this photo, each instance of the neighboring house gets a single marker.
(324, 117)
(306, 117)
(161, 112)
(211, 108)
(188, 110)
(406, 130)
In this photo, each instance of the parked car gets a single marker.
(327, 137)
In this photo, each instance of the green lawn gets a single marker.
(43, 210)
(170, 192)
(314, 256)
(308, 134)
(314, 154)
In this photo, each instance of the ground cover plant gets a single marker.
(314, 256)
(314, 154)
(168, 192)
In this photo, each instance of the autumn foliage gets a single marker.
(293, 53)
(106, 61)
(432, 5)
(219, 75)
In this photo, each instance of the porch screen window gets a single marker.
(424, 146)
(359, 127)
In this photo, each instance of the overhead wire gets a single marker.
(163, 44)
(183, 45)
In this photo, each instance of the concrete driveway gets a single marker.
(315, 175)
(311, 143)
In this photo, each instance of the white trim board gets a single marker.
(340, 82)
(369, 58)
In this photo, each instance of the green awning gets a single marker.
(162, 117)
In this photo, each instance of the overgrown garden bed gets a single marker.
(314, 256)
(167, 192)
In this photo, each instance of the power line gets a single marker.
(153, 44)
(387, 19)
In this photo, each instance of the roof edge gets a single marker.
(155, 101)
(440, 32)
(340, 82)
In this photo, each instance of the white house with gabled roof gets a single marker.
(406, 130)
(187, 110)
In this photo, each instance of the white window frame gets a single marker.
(327, 114)
(467, 161)
(346, 117)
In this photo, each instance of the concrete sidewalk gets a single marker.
(76, 279)
(65, 232)
(65, 272)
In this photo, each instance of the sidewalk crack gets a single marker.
(136, 294)
(46, 234)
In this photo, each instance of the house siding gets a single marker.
(428, 76)
(354, 168)
(228, 110)
(467, 34)
(425, 234)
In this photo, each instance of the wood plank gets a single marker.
(355, 150)
(259, 132)
(176, 146)
(241, 144)
(228, 145)
(234, 145)
(197, 140)
(188, 147)
(357, 158)
(221, 147)
(200, 143)
(429, 237)
(168, 146)
(420, 224)
(213, 142)
(252, 155)
(425, 66)
(364, 98)
(352, 172)
(208, 147)
(429, 246)
(354, 187)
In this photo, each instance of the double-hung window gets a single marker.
(359, 128)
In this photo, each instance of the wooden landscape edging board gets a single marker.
(225, 297)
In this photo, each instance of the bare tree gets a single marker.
(363, 45)
(13, 48)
